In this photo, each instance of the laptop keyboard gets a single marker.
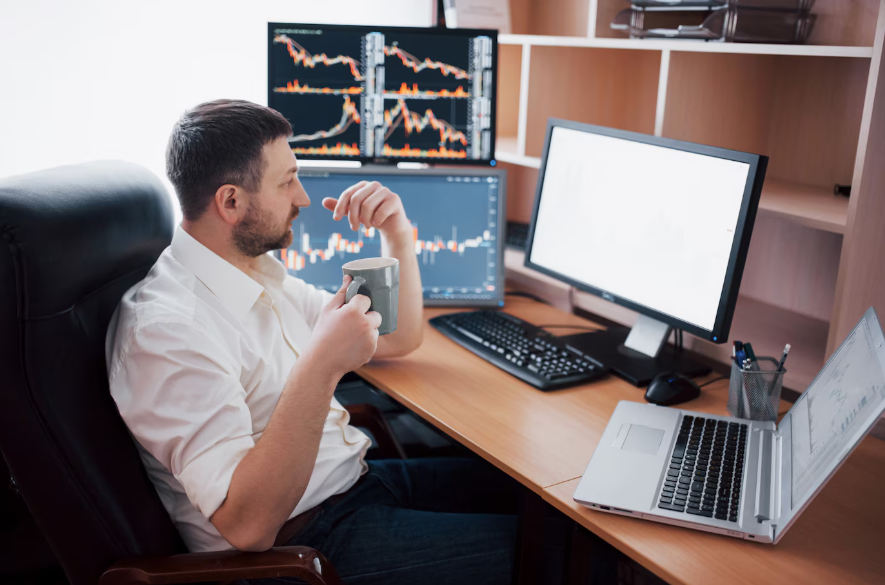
(706, 469)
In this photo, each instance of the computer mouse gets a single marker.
(669, 388)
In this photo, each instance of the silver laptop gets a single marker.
(742, 478)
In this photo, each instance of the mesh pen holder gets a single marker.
(756, 394)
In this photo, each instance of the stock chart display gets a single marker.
(401, 94)
(454, 228)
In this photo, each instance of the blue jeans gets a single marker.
(429, 521)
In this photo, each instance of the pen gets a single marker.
(751, 357)
(783, 357)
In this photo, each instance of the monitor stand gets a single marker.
(638, 354)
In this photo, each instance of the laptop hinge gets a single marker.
(768, 477)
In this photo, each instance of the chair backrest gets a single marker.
(72, 241)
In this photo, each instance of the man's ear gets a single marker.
(230, 201)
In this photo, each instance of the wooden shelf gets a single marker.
(506, 150)
(767, 327)
(688, 46)
(811, 206)
(814, 207)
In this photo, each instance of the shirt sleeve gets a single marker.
(179, 393)
(310, 300)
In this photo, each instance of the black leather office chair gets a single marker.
(72, 241)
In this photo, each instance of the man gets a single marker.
(224, 367)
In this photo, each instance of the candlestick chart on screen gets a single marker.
(454, 233)
(383, 95)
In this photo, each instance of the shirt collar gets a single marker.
(234, 288)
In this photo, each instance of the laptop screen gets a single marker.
(834, 412)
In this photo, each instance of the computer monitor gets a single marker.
(385, 93)
(657, 225)
(455, 216)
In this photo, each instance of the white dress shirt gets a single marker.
(198, 354)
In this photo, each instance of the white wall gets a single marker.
(86, 80)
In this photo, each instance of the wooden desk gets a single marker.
(545, 441)
(838, 539)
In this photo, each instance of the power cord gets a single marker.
(714, 380)
(519, 293)
(579, 327)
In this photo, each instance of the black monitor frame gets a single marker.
(430, 32)
(501, 212)
(743, 230)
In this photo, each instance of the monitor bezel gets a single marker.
(743, 230)
(430, 31)
(498, 300)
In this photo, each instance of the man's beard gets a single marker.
(258, 232)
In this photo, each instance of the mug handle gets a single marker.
(353, 287)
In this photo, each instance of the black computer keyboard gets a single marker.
(519, 348)
(516, 234)
(706, 469)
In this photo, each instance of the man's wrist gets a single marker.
(400, 235)
(320, 369)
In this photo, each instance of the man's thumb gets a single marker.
(330, 203)
(340, 296)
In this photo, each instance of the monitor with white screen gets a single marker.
(455, 224)
(657, 225)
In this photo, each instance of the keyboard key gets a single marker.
(671, 507)
(666, 500)
(668, 490)
(696, 512)
(679, 448)
(682, 492)
(719, 516)
(697, 486)
(733, 518)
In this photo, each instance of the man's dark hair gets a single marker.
(218, 143)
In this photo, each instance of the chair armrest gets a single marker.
(370, 417)
(283, 561)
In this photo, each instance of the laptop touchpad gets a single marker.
(642, 439)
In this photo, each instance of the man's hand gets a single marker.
(373, 205)
(346, 335)
(273, 476)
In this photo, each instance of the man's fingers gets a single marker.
(338, 298)
(374, 318)
(385, 210)
(344, 200)
(372, 202)
(356, 201)
(361, 303)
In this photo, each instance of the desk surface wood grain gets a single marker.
(539, 438)
(838, 539)
(546, 439)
